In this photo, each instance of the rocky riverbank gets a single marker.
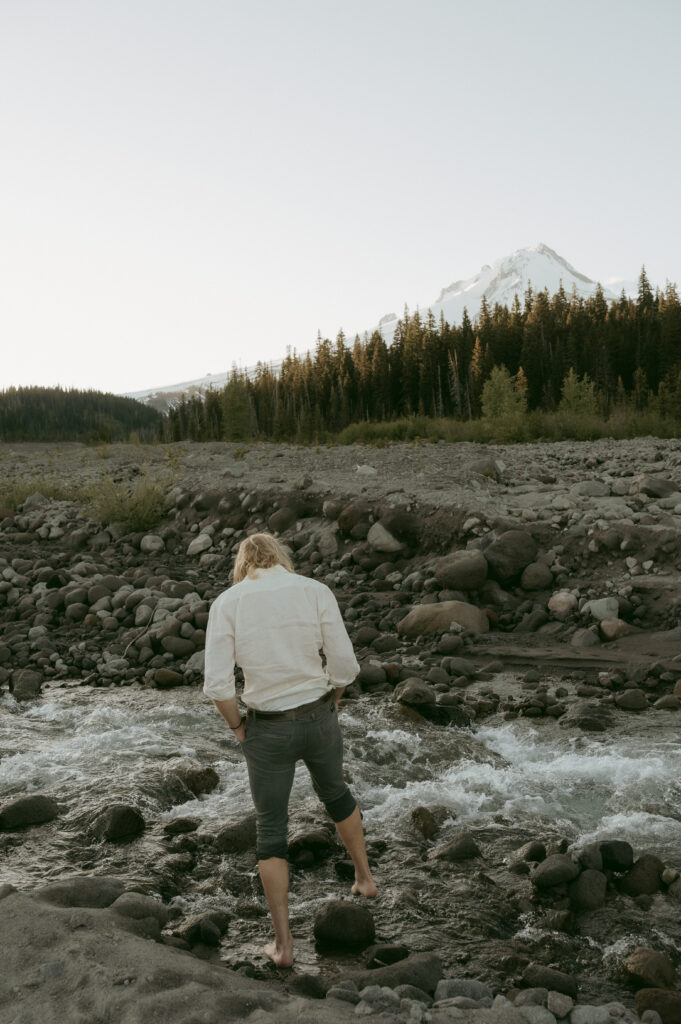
(452, 565)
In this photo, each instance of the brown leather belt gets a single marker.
(286, 716)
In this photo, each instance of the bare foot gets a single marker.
(365, 888)
(281, 955)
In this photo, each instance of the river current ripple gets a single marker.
(507, 781)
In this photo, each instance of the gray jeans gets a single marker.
(272, 749)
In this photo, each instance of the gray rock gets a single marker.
(449, 987)
(461, 847)
(603, 608)
(617, 855)
(663, 1001)
(559, 1004)
(537, 1014)
(27, 810)
(590, 1015)
(25, 684)
(200, 544)
(237, 837)
(340, 923)
(415, 692)
(461, 570)
(152, 544)
(539, 976)
(632, 700)
(588, 891)
(555, 870)
(381, 540)
(118, 822)
(649, 969)
(645, 876)
(422, 970)
(531, 997)
(137, 906)
(536, 576)
(82, 891)
(426, 619)
(510, 553)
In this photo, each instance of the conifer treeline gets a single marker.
(55, 414)
(629, 348)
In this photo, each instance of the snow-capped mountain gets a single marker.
(499, 282)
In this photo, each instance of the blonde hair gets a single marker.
(259, 551)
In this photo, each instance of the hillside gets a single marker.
(55, 414)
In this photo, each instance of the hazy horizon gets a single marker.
(186, 188)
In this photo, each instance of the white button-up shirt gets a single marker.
(274, 625)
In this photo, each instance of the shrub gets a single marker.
(134, 507)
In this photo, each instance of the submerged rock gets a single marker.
(343, 924)
(27, 810)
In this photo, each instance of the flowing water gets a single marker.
(506, 781)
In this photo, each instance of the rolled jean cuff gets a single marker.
(342, 807)
(273, 848)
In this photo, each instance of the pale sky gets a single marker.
(188, 185)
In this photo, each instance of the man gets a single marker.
(273, 623)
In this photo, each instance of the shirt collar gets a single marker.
(273, 570)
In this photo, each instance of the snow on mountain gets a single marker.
(499, 282)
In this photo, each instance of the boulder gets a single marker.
(424, 821)
(613, 629)
(632, 700)
(427, 619)
(118, 822)
(200, 544)
(167, 678)
(510, 553)
(152, 544)
(340, 923)
(448, 988)
(662, 1001)
(461, 847)
(25, 684)
(588, 891)
(206, 928)
(602, 608)
(82, 891)
(415, 692)
(562, 604)
(645, 876)
(617, 855)
(536, 576)
(421, 970)
(381, 540)
(138, 907)
(237, 837)
(653, 486)
(538, 976)
(27, 810)
(283, 519)
(650, 969)
(462, 570)
(555, 870)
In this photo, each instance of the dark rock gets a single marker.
(237, 837)
(450, 643)
(343, 924)
(555, 870)
(462, 847)
(371, 676)
(644, 878)
(632, 700)
(82, 891)
(462, 570)
(27, 810)
(538, 976)
(167, 678)
(202, 779)
(588, 891)
(139, 907)
(589, 717)
(532, 851)
(536, 576)
(309, 845)
(424, 822)
(656, 486)
(25, 684)
(308, 985)
(385, 953)
(283, 519)
(662, 1001)
(118, 821)
(649, 969)
(590, 856)
(206, 928)
(415, 692)
(427, 619)
(449, 988)
(178, 646)
(180, 826)
(421, 970)
(617, 855)
(510, 553)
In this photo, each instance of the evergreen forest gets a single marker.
(56, 414)
(593, 359)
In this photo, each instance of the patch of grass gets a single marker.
(14, 492)
(239, 454)
(134, 507)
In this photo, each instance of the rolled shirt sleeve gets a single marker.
(219, 666)
(341, 663)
